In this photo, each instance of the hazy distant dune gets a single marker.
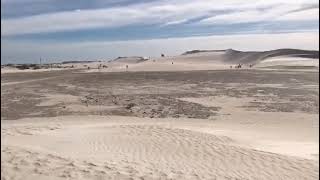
(130, 59)
(204, 60)
(245, 57)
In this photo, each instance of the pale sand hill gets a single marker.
(219, 59)
(129, 60)
(200, 60)
(289, 61)
(96, 147)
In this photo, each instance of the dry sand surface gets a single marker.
(221, 124)
(96, 147)
(6, 70)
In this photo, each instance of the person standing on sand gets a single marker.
(127, 67)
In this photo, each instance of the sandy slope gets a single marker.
(122, 147)
(200, 60)
(289, 61)
(213, 60)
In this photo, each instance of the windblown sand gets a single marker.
(244, 145)
(96, 147)
(225, 124)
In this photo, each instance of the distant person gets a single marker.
(230, 67)
(127, 67)
(172, 62)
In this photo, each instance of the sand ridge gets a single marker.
(198, 60)
(109, 148)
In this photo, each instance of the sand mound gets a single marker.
(289, 62)
(253, 57)
(129, 60)
(201, 60)
(223, 59)
(115, 150)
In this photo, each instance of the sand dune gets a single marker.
(201, 60)
(218, 59)
(234, 56)
(288, 61)
(129, 60)
(231, 55)
(124, 148)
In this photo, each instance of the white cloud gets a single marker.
(309, 14)
(281, 12)
(235, 18)
(175, 22)
(163, 13)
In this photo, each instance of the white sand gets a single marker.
(289, 61)
(238, 144)
(268, 131)
(6, 70)
(116, 147)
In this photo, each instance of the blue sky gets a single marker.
(49, 26)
